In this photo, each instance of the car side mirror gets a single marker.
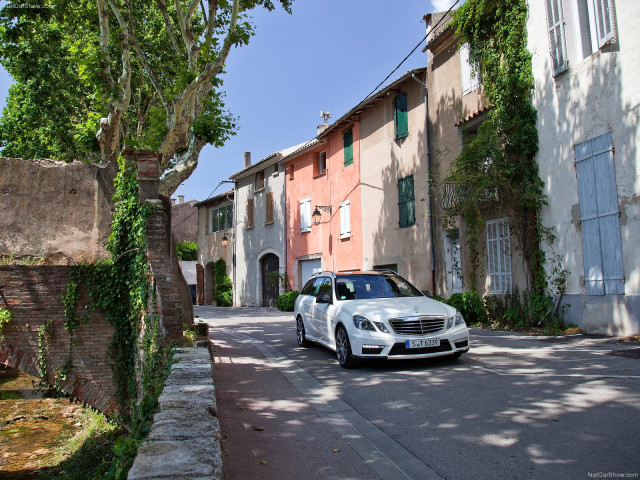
(326, 298)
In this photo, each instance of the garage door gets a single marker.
(308, 268)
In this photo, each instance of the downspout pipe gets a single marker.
(428, 149)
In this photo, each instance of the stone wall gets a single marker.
(54, 209)
(33, 294)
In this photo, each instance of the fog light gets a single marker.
(372, 349)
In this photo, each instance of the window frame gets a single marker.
(227, 214)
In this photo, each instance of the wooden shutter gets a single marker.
(499, 256)
(406, 202)
(269, 208)
(555, 26)
(345, 219)
(605, 27)
(347, 138)
(465, 68)
(401, 120)
(599, 221)
(250, 213)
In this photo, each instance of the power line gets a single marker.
(412, 51)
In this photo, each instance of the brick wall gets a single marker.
(33, 294)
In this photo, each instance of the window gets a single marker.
(400, 116)
(499, 256)
(585, 26)
(259, 182)
(599, 221)
(470, 73)
(347, 138)
(250, 213)
(220, 218)
(406, 202)
(345, 219)
(269, 208)
(321, 163)
(305, 215)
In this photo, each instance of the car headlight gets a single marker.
(459, 319)
(363, 323)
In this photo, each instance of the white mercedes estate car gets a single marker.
(376, 314)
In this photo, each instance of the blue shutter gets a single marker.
(601, 239)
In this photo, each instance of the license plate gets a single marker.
(422, 343)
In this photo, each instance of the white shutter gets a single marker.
(600, 224)
(305, 215)
(345, 219)
(605, 27)
(465, 68)
(499, 256)
(555, 25)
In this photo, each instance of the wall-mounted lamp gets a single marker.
(317, 215)
(225, 240)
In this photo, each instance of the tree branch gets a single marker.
(103, 20)
(145, 65)
(162, 4)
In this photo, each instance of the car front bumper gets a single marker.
(394, 347)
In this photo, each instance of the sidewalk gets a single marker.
(268, 430)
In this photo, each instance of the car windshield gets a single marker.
(352, 287)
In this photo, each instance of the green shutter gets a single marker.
(406, 202)
(348, 147)
(401, 119)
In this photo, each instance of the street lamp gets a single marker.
(317, 215)
(225, 240)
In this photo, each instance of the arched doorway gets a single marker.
(269, 263)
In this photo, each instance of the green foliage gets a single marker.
(5, 318)
(187, 251)
(470, 305)
(496, 170)
(223, 289)
(286, 302)
(279, 279)
(525, 311)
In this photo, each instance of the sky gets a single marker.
(327, 55)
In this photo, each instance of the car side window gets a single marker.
(308, 288)
(322, 286)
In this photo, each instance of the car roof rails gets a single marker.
(388, 270)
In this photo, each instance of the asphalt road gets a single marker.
(514, 407)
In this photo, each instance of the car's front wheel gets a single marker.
(343, 349)
(300, 333)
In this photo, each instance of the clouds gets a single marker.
(443, 5)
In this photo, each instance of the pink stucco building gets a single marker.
(324, 175)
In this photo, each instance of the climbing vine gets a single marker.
(496, 169)
(5, 318)
(120, 288)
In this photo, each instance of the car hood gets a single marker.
(385, 308)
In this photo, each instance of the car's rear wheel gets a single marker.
(343, 349)
(300, 333)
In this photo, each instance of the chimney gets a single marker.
(180, 199)
(325, 125)
(173, 201)
(247, 159)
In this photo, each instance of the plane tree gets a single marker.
(92, 76)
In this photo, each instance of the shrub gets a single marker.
(223, 292)
(287, 301)
(470, 305)
(187, 251)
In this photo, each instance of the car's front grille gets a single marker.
(418, 325)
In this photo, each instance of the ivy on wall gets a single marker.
(121, 289)
(496, 169)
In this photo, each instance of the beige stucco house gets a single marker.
(586, 65)
(215, 223)
(456, 107)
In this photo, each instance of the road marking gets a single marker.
(382, 453)
(549, 374)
